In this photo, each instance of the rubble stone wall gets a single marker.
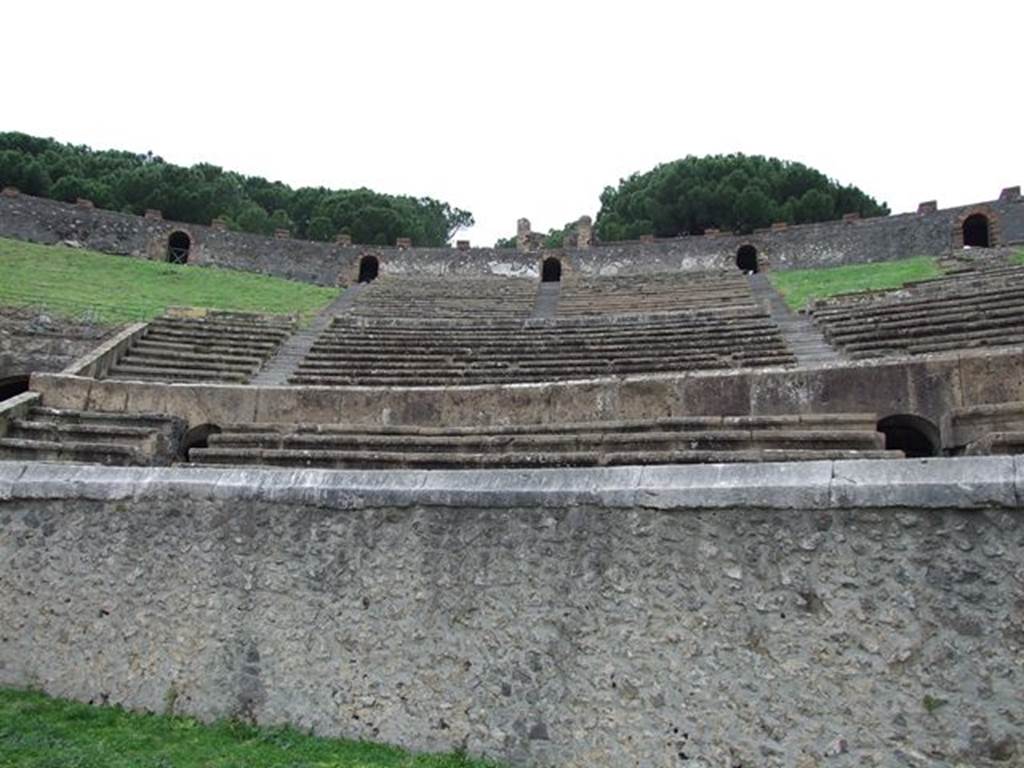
(835, 613)
(812, 245)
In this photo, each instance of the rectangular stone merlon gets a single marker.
(343, 239)
(646, 238)
(153, 213)
(282, 234)
(10, 192)
(779, 225)
(1010, 193)
(928, 206)
(219, 224)
(850, 217)
(462, 245)
(523, 233)
(712, 231)
(83, 202)
(584, 232)
(403, 242)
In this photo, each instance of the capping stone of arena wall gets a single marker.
(929, 233)
(827, 613)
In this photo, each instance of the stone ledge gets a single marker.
(962, 483)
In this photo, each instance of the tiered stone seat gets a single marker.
(354, 352)
(92, 437)
(661, 292)
(967, 309)
(451, 298)
(654, 441)
(219, 347)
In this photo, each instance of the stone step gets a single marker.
(145, 373)
(603, 441)
(13, 449)
(97, 433)
(388, 460)
(810, 421)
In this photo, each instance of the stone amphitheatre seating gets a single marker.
(91, 437)
(967, 308)
(217, 347)
(684, 440)
(353, 351)
(659, 292)
(447, 298)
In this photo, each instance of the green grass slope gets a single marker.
(118, 289)
(40, 732)
(798, 286)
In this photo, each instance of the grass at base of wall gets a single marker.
(1018, 257)
(37, 731)
(116, 289)
(799, 286)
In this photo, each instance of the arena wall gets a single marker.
(927, 386)
(929, 233)
(772, 615)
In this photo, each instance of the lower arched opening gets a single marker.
(551, 270)
(915, 436)
(197, 437)
(12, 386)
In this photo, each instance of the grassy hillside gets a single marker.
(39, 732)
(116, 289)
(798, 286)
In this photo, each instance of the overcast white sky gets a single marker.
(531, 108)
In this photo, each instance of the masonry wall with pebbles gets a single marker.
(780, 615)
(930, 232)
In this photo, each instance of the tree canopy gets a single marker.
(730, 192)
(128, 182)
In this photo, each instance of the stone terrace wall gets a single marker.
(827, 244)
(31, 340)
(608, 618)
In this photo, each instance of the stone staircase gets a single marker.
(548, 295)
(360, 352)
(92, 437)
(447, 298)
(640, 442)
(212, 347)
(803, 338)
(654, 293)
(285, 362)
(970, 308)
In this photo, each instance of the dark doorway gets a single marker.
(368, 268)
(197, 437)
(746, 259)
(178, 246)
(976, 231)
(551, 270)
(13, 385)
(916, 437)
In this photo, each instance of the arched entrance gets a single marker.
(915, 436)
(551, 270)
(976, 231)
(197, 437)
(368, 269)
(746, 259)
(13, 385)
(178, 246)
